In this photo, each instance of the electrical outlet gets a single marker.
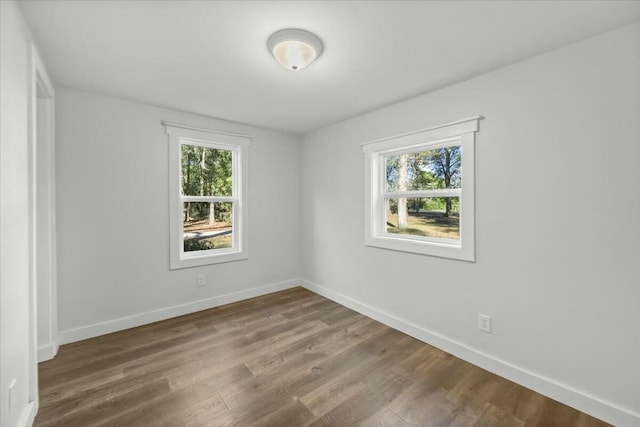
(484, 323)
(201, 281)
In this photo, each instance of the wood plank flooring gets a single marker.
(291, 358)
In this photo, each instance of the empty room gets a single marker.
(319, 213)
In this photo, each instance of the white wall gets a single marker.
(557, 225)
(113, 217)
(16, 322)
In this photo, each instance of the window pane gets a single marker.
(424, 170)
(207, 225)
(428, 217)
(206, 171)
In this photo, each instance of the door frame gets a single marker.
(41, 149)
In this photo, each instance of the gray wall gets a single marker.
(113, 216)
(557, 223)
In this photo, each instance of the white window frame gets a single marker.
(461, 132)
(239, 147)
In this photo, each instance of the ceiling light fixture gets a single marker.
(294, 48)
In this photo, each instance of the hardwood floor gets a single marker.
(291, 358)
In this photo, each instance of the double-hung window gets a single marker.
(208, 188)
(420, 191)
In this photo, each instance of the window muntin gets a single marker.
(208, 206)
(420, 191)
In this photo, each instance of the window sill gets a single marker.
(421, 247)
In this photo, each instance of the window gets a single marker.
(420, 191)
(208, 187)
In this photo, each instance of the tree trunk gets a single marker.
(402, 186)
(187, 186)
(447, 180)
(212, 213)
(202, 169)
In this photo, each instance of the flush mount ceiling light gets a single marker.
(294, 48)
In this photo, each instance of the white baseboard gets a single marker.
(47, 352)
(28, 415)
(584, 402)
(107, 327)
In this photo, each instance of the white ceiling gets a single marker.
(210, 57)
